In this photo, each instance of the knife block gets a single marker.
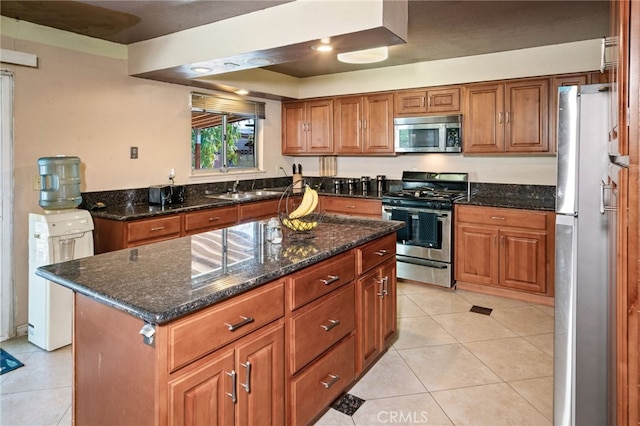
(297, 183)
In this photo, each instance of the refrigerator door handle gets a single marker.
(603, 208)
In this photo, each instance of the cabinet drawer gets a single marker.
(317, 280)
(153, 229)
(321, 325)
(376, 252)
(201, 333)
(317, 386)
(260, 209)
(210, 219)
(352, 206)
(502, 217)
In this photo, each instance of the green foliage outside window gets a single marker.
(211, 140)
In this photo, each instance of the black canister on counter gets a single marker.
(337, 185)
(381, 184)
(351, 182)
(364, 184)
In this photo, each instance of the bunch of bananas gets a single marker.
(299, 225)
(299, 251)
(308, 204)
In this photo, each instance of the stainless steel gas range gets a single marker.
(425, 245)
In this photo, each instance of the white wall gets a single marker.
(85, 104)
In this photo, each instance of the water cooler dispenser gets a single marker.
(61, 233)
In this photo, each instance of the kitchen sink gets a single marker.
(232, 196)
(243, 195)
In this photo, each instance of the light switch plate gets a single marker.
(134, 152)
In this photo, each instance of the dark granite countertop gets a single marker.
(529, 197)
(124, 212)
(163, 281)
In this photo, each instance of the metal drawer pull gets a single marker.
(332, 279)
(233, 394)
(385, 285)
(332, 323)
(350, 207)
(381, 252)
(247, 381)
(498, 218)
(245, 321)
(333, 378)
(158, 228)
(212, 219)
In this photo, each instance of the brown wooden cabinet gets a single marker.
(351, 206)
(363, 124)
(427, 101)
(320, 335)
(506, 117)
(376, 303)
(110, 235)
(210, 219)
(506, 248)
(239, 385)
(307, 127)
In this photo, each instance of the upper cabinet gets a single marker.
(616, 61)
(363, 124)
(508, 117)
(307, 127)
(427, 101)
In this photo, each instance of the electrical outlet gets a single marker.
(133, 152)
(36, 183)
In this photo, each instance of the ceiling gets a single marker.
(437, 29)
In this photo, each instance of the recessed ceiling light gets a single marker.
(259, 62)
(367, 56)
(241, 92)
(200, 70)
(322, 47)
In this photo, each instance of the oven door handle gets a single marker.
(421, 262)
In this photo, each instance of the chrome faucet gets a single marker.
(235, 186)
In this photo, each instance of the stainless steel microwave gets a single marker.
(428, 134)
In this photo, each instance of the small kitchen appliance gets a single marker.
(424, 247)
(162, 195)
(428, 134)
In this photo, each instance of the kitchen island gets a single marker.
(225, 328)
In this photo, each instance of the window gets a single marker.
(224, 133)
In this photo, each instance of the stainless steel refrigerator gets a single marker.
(584, 385)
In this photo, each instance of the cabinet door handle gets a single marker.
(381, 252)
(332, 323)
(502, 241)
(157, 228)
(332, 379)
(500, 118)
(365, 123)
(332, 279)
(247, 380)
(245, 321)
(233, 395)
(385, 288)
(422, 98)
(498, 218)
(381, 292)
(508, 117)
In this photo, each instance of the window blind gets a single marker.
(218, 104)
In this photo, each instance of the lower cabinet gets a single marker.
(376, 312)
(351, 206)
(505, 248)
(278, 354)
(240, 385)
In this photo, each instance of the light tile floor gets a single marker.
(448, 366)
